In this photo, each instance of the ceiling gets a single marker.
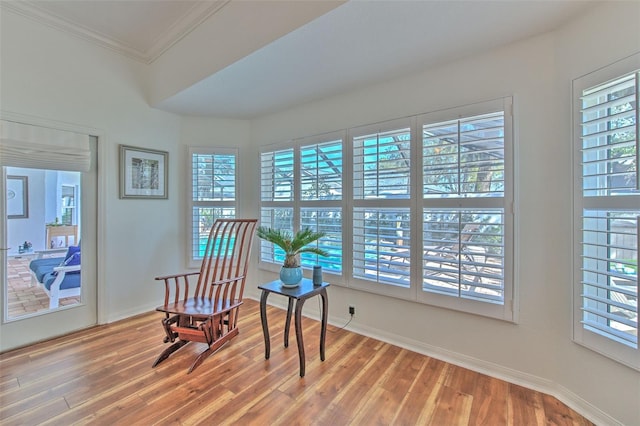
(355, 44)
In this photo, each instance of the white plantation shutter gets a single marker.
(381, 220)
(328, 220)
(301, 187)
(381, 164)
(464, 253)
(610, 201)
(214, 177)
(276, 218)
(607, 212)
(610, 275)
(213, 192)
(464, 157)
(321, 173)
(609, 137)
(277, 176)
(381, 242)
(277, 179)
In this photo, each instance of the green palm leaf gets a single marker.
(292, 245)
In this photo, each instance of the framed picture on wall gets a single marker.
(17, 197)
(143, 173)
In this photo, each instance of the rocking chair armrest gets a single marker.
(183, 275)
(179, 289)
(228, 280)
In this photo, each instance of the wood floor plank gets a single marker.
(489, 402)
(103, 376)
(37, 414)
(420, 403)
(317, 391)
(354, 396)
(525, 406)
(556, 413)
(453, 408)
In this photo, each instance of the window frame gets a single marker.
(582, 335)
(381, 205)
(296, 203)
(507, 310)
(414, 204)
(192, 261)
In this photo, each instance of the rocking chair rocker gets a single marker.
(209, 314)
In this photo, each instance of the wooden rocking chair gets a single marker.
(208, 312)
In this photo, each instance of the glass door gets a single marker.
(48, 256)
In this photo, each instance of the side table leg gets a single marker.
(265, 327)
(299, 304)
(323, 327)
(287, 324)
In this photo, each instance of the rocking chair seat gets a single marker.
(198, 307)
(208, 312)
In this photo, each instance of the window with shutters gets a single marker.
(466, 214)
(301, 187)
(276, 195)
(321, 199)
(382, 206)
(607, 211)
(213, 192)
(418, 208)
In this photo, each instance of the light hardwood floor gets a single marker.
(103, 376)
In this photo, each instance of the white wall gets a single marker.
(49, 75)
(538, 351)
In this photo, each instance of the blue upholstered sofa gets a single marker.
(59, 276)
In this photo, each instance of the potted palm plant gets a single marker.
(293, 246)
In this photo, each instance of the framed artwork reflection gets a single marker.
(17, 197)
(143, 173)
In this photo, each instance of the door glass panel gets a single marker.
(43, 237)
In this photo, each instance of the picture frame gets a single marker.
(17, 197)
(144, 173)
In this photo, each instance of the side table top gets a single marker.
(305, 289)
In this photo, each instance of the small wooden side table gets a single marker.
(62, 231)
(299, 294)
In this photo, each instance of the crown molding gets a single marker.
(181, 28)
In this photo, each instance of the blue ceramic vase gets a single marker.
(291, 277)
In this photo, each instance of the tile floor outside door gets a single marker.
(23, 298)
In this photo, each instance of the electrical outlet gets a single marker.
(352, 310)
